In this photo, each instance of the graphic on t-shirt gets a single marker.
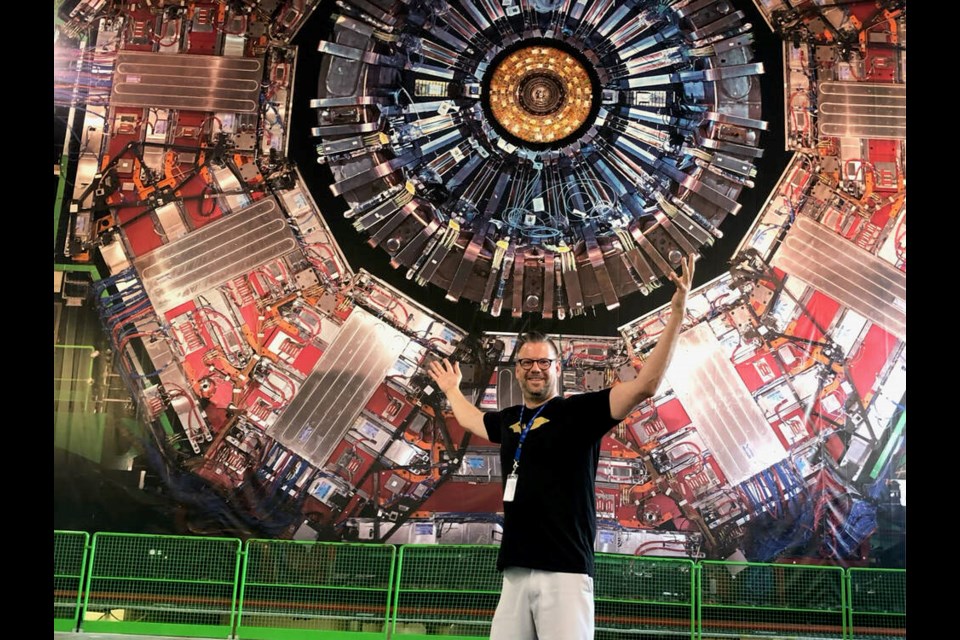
(537, 423)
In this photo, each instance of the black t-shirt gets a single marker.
(552, 521)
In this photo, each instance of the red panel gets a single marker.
(608, 503)
(759, 371)
(660, 508)
(356, 467)
(834, 447)
(673, 415)
(466, 497)
(853, 226)
(254, 396)
(142, 233)
(823, 309)
(180, 310)
(626, 513)
(140, 30)
(385, 398)
(222, 390)
(882, 215)
(199, 210)
(218, 417)
(120, 139)
(307, 360)
(879, 61)
(722, 479)
(207, 15)
(882, 150)
(646, 428)
(864, 365)
(791, 428)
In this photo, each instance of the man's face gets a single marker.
(538, 384)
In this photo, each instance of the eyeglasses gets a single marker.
(527, 363)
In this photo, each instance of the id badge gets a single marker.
(510, 488)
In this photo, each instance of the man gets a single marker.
(549, 450)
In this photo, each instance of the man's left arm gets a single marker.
(627, 395)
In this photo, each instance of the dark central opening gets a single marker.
(541, 93)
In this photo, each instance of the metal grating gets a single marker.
(161, 585)
(234, 245)
(69, 566)
(754, 600)
(727, 418)
(856, 279)
(319, 589)
(653, 594)
(862, 110)
(197, 83)
(344, 379)
(878, 603)
(449, 587)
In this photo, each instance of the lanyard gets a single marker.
(524, 431)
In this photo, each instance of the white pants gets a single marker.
(544, 605)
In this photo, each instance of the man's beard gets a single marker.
(544, 393)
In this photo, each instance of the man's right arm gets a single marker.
(448, 379)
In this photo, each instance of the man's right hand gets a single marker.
(446, 376)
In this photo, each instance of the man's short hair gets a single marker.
(536, 336)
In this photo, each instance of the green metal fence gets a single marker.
(303, 590)
(753, 600)
(636, 596)
(446, 590)
(877, 603)
(162, 585)
(69, 568)
(191, 587)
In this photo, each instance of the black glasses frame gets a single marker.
(527, 363)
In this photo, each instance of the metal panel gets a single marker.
(721, 407)
(186, 405)
(341, 384)
(863, 110)
(595, 255)
(198, 83)
(171, 221)
(225, 249)
(509, 393)
(856, 279)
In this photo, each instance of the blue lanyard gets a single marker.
(524, 431)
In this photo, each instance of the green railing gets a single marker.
(877, 603)
(446, 591)
(69, 569)
(193, 587)
(162, 585)
(303, 590)
(756, 600)
(653, 594)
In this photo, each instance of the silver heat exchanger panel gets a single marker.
(856, 279)
(195, 83)
(344, 380)
(863, 110)
(721, 407)
(232, 246)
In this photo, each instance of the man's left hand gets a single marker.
(683, 282)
